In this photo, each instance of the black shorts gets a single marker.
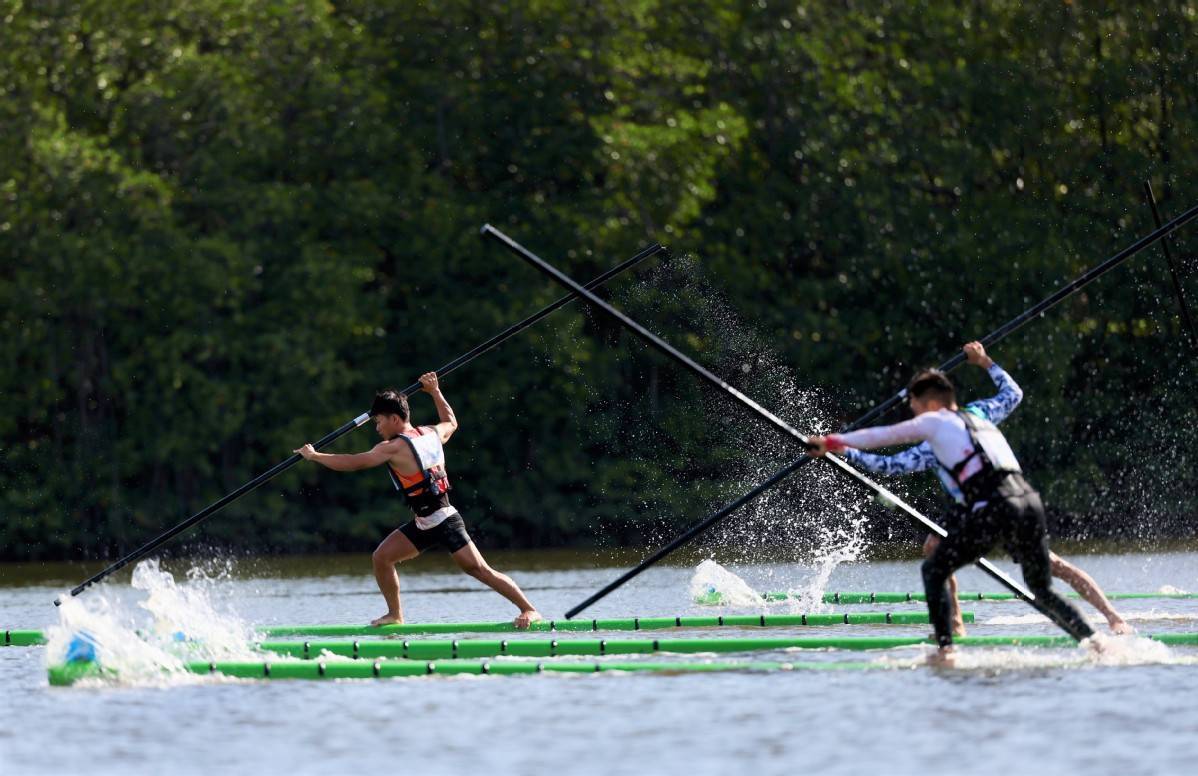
(450, 533)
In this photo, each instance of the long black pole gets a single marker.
(278, 468)
(782, 426)
(1173, 271)
(782, 474)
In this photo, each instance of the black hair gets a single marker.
(932, 383)
(390, 402)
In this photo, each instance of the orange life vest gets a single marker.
(427, 490)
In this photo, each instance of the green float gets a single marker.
(442, 649)
(439, 649)
(619, 623)
(19, 638)
(385, 669)
(23, 638)
(715, 598)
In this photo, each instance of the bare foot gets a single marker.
(1119, 626)
(945, 657)
(958, 628)
(527, 618)
(387, 619)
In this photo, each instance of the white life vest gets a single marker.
(992, 451)
(427, 491)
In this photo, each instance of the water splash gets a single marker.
(1017, 619)
(188, 610)
(1099, 651)
(148, 643)
(710, 577)
(840, 545)
(117, 643)
(734, 450)
(1128, 650)
(844, 544)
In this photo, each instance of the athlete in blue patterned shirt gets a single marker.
(920, 457)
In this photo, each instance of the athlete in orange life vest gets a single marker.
(415, 460)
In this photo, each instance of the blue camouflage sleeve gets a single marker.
(913, 459)
(998, 407)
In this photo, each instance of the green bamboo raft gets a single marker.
(440, 649)
(24, 638)
(715, 598)
(414, 658)
(70, 673)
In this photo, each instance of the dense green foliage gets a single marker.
(225, 223)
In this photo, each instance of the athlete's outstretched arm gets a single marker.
(449, 421)
(913, 459)
(350, 463)
(918, 429)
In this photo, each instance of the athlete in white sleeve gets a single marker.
(1000, 505)
(920, 457)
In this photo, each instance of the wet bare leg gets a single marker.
(472, 562)
(929, 546)
(1089, 590)
(958, 618)
(396, 548)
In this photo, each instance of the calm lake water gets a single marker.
(1001, 711)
